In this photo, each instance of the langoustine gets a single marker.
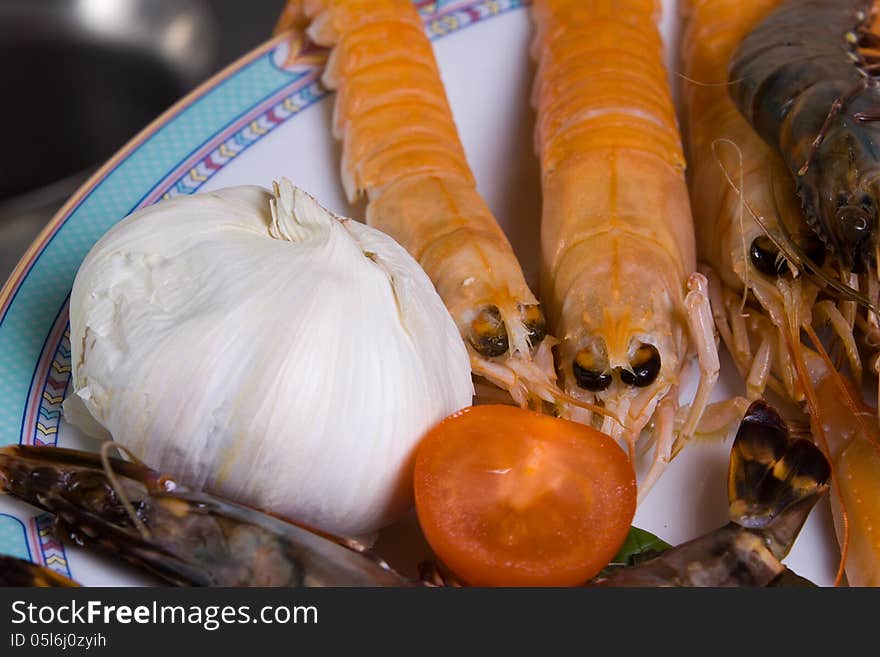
(769, 296)
(617, 245)
(734, 181)
(182, 536)
(402, 151)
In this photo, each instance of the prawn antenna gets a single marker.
(698, 83)
(742, 201)
(118, 488)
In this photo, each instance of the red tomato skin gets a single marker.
(560, 517)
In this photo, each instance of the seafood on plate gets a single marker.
(180, 535)
(618, 259)
(739, 199)
(771, 278)
(773, 484)
(401, 150)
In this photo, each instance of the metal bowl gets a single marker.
(79, 78)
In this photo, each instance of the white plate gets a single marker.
(251, 124)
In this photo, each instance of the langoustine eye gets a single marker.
(645, 367)
(535, 324)
(488, 333)
(766, 257)
(588, 374)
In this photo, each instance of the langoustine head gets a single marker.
(622, 340)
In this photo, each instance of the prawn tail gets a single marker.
(774, 481)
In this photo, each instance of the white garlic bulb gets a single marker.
(267, 350)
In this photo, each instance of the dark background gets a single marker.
(79, 78)
(243, 24)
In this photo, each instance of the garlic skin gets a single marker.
(267, 350)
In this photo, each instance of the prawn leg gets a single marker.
(756, 370)
(664, 439)
(759, 372)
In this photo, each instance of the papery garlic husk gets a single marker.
(280, 356)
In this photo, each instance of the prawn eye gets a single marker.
(645, 367)
(765, 256)
(587, 372)
(488, 333)
(854, 222)
(535, 324)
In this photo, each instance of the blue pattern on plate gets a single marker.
(13, 537)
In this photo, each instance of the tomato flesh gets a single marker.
(510, 497)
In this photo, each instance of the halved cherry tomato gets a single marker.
(510, 497)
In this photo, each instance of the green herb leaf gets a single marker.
(639, 546)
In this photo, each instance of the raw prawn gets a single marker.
(773, 484)
(401, 150)
(180, 535)
(618, 257)
(806, 79)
